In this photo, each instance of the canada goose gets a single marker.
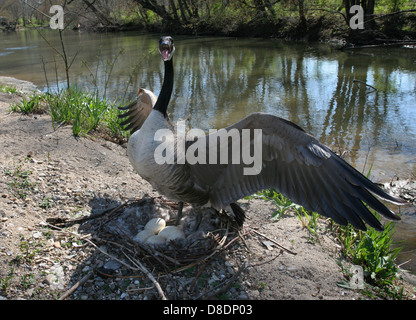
(292, 161)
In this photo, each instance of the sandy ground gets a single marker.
(46, 173)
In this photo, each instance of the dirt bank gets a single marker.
(47, 174)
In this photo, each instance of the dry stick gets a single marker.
(279, 245)
(226, 284)
(215, 251)
(98, 248)
(265, 262)
(199, 273)
(67, 222)
(139, 267)
(240, 236)
(77, 285)
(148, 274)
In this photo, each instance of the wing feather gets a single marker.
(301, 168)
(138, 110)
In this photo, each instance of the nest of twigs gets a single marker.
(206, 232)
(207, 235)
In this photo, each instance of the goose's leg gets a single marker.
(180, 207)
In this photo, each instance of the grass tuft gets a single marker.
(84, 111)
(33, 104)
(372, 250)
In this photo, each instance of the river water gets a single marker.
(359, 102)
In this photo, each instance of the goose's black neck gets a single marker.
(166, 91)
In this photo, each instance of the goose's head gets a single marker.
(166, 47)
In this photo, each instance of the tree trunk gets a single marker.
(368, 14)
(174, 10)
(182, 10)
(302, 19)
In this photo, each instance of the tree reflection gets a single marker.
(218, 81)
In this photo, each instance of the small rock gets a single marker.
(56, 277)
(86, 269)
(112, 265)
(243, 296)
(37, 235)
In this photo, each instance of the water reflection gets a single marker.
(220, 80)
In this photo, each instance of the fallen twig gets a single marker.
(240, 236)
(394, 44)
(139, 265)
(265, 262)
(279, 245)
(77, 285)
(67, 222)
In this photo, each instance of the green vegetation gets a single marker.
(372, 250)
(84, 111)
(281, 18)
(282, 203)
(32, 104)
(4, 282)
(10, 90)
(20, 184)
(238, 16)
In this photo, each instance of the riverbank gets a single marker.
(386, 30)
(330, 28)
(49, 173)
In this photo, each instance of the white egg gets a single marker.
(155, 225)
(172, 233)
(155, 241)
(142, 236)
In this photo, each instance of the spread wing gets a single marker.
(138, 110)
(295, 164)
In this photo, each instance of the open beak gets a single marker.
(166, 50)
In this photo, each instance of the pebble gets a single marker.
(37, 235)
(56, 277)
(86, 269)
(112, 265)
